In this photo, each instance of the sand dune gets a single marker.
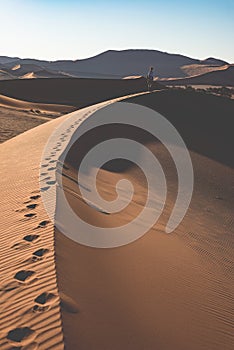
(17, 116)
(71, 91)
(29, 71)
(16, 67)
(166, 292)
(160, 292)
(30, 318)
(220, 77)
(43, 74)
(198, 69)
(5, 75)
(19, 104)
(133, 77)
(49, 98)
(52, 97)
(30, 301)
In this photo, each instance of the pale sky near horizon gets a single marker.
(73, 29)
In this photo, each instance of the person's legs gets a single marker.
(148, 84)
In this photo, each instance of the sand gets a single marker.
(24, 231)
(160, 292)
(30, 300)
(18, 116)
(223, 76)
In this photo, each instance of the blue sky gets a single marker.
(72, 29)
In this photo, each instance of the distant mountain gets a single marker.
(6, 59)
(128, 62)
(112, 64)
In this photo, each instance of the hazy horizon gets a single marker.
(61, 30)
(125, 49)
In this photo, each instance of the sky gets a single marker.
(75, 29)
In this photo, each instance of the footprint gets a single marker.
(52, 161)
(44, 302)
(35, 196)
(40, 253)
(28, 206)
(31, 238)
(52, 168)
(43, 189)
(30, 215)
(31, 206)
(52, 182)
(25, 276)
(44, 165)
(43, 223)
(21, 336)
(43, 174)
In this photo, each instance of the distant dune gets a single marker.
(43, 73)
(17, 116)
(220, 77)
(198, 69)
(213, 61)
(5, 75)
(133, 77)
(19, 104)
(29, 71)
(20, 69)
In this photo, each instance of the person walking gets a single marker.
(150, 78)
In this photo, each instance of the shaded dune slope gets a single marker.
(204, 122)
(71, 91)
(162, 291)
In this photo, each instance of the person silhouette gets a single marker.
(150, 78)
